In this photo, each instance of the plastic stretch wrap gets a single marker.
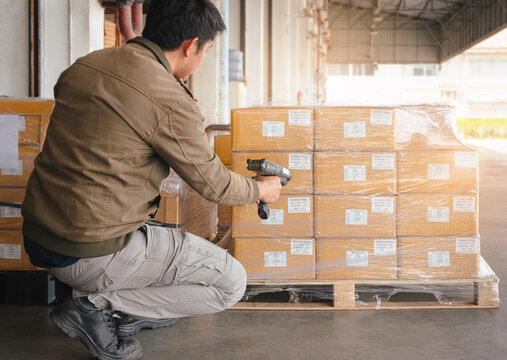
(183, 208)
(382, 199)
(23, 126)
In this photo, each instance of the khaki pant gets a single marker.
(161, 273)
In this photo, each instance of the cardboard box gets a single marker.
(438, 257)
(291, 216)
(427, 127)
(438, 214)
(12, 252)
(27, 106)
(224, 214)
(438, 171)
(19, 177)
(276, 258)
(10, 217)
(354, 128)
(265, 129)
(355, 173)
(169, 211)
(223, 148)
(356, 259)
(300, 164)
(355, 216)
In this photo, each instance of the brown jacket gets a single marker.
(121, 120)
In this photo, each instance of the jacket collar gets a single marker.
(159, 54)
(155, 49)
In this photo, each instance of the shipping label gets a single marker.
(355, 129)
(438, 171)
(381, 117)
(384, 247)
(383, 205)
(466, 246)
(438, 214)
(299, 205)
(300, 162)
(21, 123)
(300, 117)
(301, 247)
(273, 128)
(439, 258)
(14, 172)
(463, 204)
(275, 217)
(10, 212)
(465, 159)
(354, 173)
(275, 259)
(9, 126)
(382, 162)
(357, 258)
(356, 217)
(10, 251)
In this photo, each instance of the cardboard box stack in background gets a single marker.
(393, 193)
(223, 150)
(282, 246)
(23, 126)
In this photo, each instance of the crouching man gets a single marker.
(123, 118)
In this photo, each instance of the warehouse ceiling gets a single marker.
(410, 31)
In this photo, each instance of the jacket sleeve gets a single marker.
(180, 140)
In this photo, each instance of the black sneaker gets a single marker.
(128, 325)
(95, 329)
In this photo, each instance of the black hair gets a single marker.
(170, 22)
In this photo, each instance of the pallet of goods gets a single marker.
(382, 210)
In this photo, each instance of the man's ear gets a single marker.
(187, 45)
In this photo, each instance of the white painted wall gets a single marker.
(14, 52)
(69, 29)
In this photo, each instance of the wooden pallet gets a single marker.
(345, 294)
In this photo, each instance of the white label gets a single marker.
(299, 205)
(438, 214)
(9, 127)
(301, 247)
(466, 246)
(10, 251)
(356, 217)
(382, 205)
(357, 258)
(275, 217)
(17, 171)
(21, 123)
(439, 258)
(354, 129)
(465, 159)
(381, 117)
(275, 259)
(10, 212)
(286, 171)
(354, 173)
(300, 117)
(463, 204)
(385, 247)
(273, 128)
(300, 162)
(382, 162)
(438, 171)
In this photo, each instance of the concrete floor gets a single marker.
(27, 333)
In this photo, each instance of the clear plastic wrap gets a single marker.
(183, 208)
(392, 208)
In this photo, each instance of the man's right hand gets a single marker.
(269, 188)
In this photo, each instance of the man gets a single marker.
(123, 117)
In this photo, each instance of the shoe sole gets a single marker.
(74, 331)
(129, 330)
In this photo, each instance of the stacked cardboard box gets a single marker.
(23, 126)
(282, 246)
(223, 150)
(389, 193)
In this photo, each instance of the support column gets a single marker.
(255, 23)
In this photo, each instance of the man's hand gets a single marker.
(269, 188)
